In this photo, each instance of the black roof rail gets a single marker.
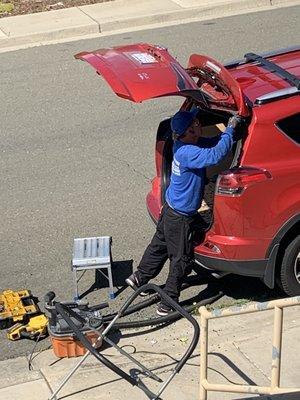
(278, 52)
(270, 66)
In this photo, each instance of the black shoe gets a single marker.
(163, 310)
(134, 283)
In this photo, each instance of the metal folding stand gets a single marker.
(67, 313)
(93, 253)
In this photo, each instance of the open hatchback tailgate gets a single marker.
(216, 82)
(142, 71)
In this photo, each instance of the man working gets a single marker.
(173, 238)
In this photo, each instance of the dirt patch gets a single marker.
(20, 7)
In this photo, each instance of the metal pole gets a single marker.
(278, 306)
(276, 347)
(67, 377)
(72, 372)
(163, 387)
(129, 356)
(75, 283)
(214, 387)
(251, 308)
(203, 352)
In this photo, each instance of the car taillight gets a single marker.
(233, 182)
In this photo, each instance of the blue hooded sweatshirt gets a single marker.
(185, 192)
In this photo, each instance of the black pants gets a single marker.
(173, 239)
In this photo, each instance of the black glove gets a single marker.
(235, 121)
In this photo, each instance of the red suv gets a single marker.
(252, 199)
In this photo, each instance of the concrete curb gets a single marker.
(214, 10)
(106, 18)
(40, 27)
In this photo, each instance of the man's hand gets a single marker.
(235, 121)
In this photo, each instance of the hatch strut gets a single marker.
(290, 78)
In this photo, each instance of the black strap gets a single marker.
(293, 80)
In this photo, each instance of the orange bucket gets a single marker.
(68, 346)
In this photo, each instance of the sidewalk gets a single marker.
(118, 16)
(239, 352)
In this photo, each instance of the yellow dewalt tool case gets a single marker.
(16, 307)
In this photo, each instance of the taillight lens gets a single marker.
(234, 181)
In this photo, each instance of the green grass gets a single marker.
(6, 7)
(225, 304)
(229, 303)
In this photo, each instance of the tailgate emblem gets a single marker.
(143, 76)
(144, 58)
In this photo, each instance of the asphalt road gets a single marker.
(77, 161)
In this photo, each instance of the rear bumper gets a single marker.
(254, 268)
(232, 250)
(264, 269)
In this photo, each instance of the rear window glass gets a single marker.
(291, 127)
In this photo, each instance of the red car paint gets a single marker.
(251, 227)
(244, 226)
(142, 71)
(234, 97)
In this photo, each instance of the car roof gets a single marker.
(257, 81)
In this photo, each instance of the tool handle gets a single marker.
(63, 310)
(28, 335)
(167, 299)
